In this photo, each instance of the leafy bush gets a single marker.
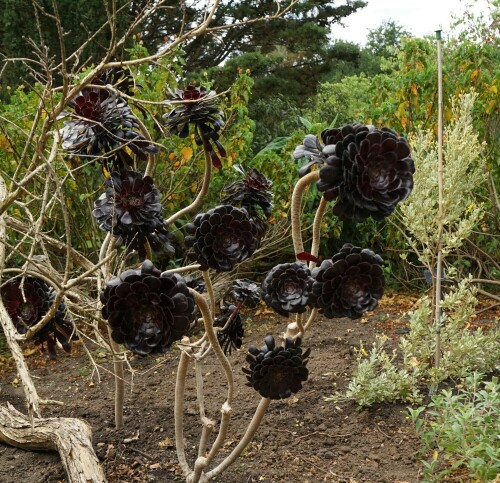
(380, 378)
(462, 429)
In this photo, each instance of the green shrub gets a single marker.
(462, 429)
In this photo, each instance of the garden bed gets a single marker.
(302, 439)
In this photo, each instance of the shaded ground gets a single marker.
(303, 439)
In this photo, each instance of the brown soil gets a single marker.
(303, 439)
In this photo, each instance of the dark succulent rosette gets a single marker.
(221, 237)
(287, 287)
(27, 300)
(131, 209)
(351, 283)
(245, 292)
(119, 77)
(369, 173)
(312, 149)
(61, 329)
(104, 125)
(252, 192)
(277, 372)
(196, 283)
(229, 337)
(147, 310)
(199, 107)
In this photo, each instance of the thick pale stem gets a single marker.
(298, 192)
(219, 353)
(245, 440)
(72, 438)
(298, 320)
(180, 389)
(118, 368)
(297, 195)
(311, 319)
(318, 218)
(201, 194)
(210, 291)
(32, 399)
(187, 268)
(208, 424)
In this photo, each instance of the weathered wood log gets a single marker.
(71, 437)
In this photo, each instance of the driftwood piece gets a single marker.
(71, 437)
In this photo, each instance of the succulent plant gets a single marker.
(196, 283)
(252, 192)
(131, 209)
(147, 310)
(120, 78)
(369, 173)
(104, 125)
(245, 292)
(230, 337)
(199, 107)
(27, 300)
(277, 372)
(221, 237)
(350, 283)
(61, 329)
(313, 150)
(287, 287)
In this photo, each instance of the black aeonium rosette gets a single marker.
(230, 337)
(350, 283)
(287, 287)
(221, 237)
(61, 329)
(200, 108)
(368, 174)
(131, 209)
(252, 193)
(146, 310)
(195, 282)
(27, 300)
(245, 292)
(104, 125)
(277, 372)
(118, 77)
(314, 151)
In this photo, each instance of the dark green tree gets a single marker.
(384, 40)
(24, 28)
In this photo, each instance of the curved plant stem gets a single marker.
(180, 387)
(106, 248)
(187, 268)
(208, 424)
(210, 291)
(318, 218)
(226, 407)
(311, 319)
(298, 192)
(245, 440)
(199, 197)
(299, 321)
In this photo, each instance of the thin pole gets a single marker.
(437, 315)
